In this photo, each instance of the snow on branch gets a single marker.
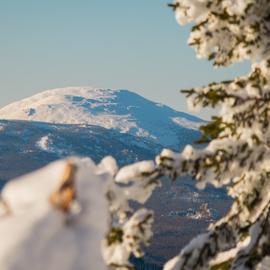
(237, 152)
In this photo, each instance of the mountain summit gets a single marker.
(121, 110)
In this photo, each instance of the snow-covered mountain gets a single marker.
(121, 110)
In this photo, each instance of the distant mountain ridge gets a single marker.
(121, 110)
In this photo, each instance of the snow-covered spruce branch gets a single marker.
(227, 31)
(129, 231)
(227, 233)
(236, 92)
(244, 105)
(222, 162)
(259, 246)
(237, 155)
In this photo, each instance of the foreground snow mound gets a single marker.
(73, 215)
(55, 218)
(122, 110)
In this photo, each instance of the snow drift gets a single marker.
(42, 231)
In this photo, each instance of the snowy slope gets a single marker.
(31, 145)
(122, 110)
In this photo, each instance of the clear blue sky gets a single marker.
(123, 44)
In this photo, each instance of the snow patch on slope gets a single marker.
(44, 143)
(186, 123)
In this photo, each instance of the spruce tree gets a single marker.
(237, 151)
(237, 155)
